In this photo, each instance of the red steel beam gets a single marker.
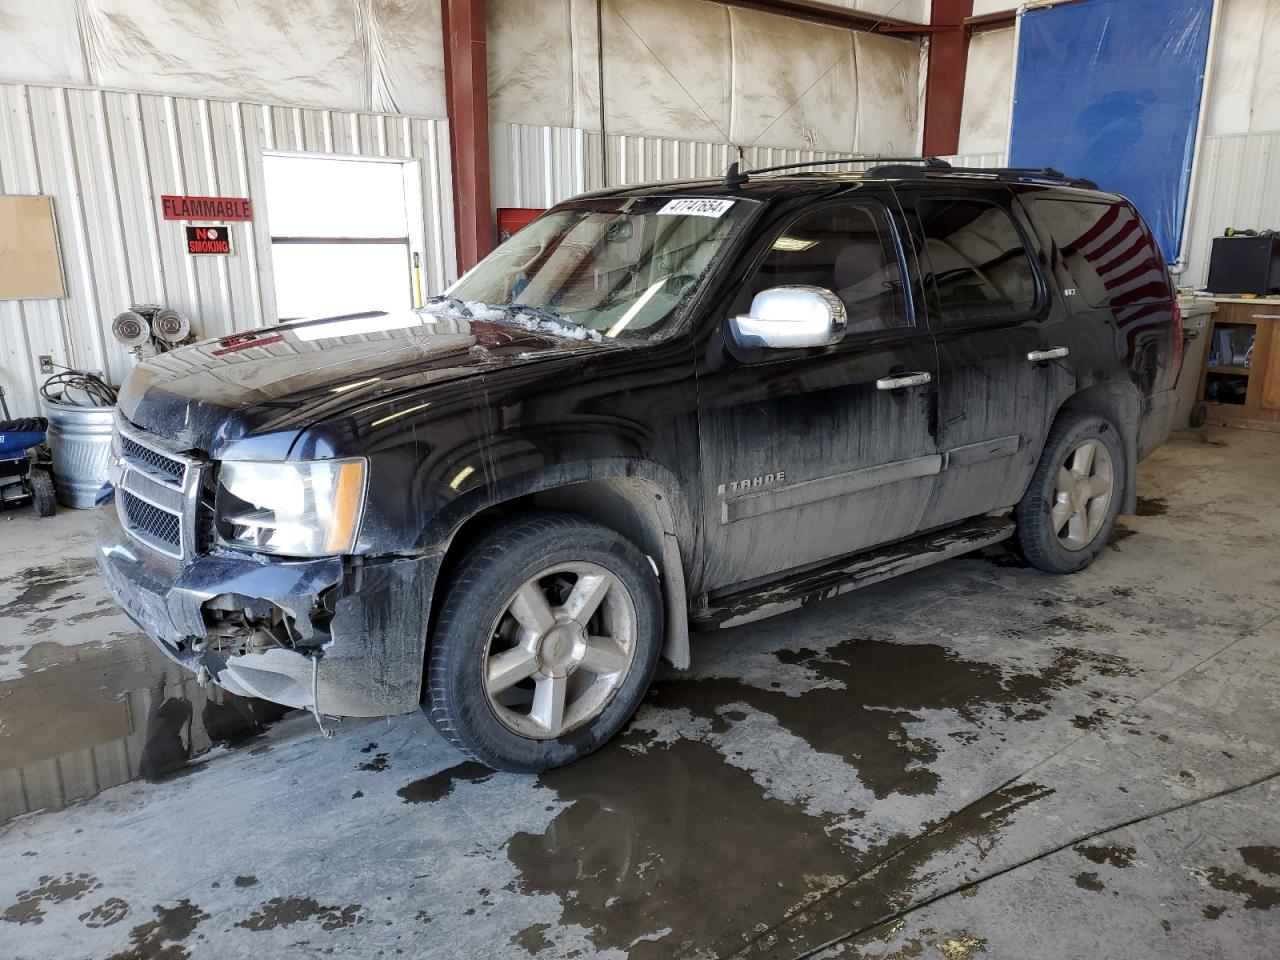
(466, 87)
(944, 87)
(831, 15)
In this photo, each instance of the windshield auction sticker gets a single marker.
(704, 207)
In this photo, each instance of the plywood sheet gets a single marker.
(29, 265)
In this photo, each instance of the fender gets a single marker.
(658, 520)
(1120, 401)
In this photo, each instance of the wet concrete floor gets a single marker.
(975, 760)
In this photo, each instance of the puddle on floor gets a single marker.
(85, 718)
(662, 834)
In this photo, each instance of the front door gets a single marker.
(810, 454)
(1003, 347)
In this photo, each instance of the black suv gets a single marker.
(698, 402)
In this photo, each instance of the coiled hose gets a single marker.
(75, 388)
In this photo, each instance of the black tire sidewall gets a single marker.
(1036, 537)
(485, 581)
(43, 496)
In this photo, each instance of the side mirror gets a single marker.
(788, 318)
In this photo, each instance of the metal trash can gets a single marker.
(80, 438)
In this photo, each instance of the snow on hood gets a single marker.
(535, 321)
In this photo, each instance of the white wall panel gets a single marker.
(1237, 185)
(106, 158)
(888, 114)
(988, 93)
(702, 72)
(41, 41)
(309, 51)
(531, 61)
(381, 55)
(916, 11)
(668, 68)
(1244, 95)
(406, 57)
(807, 97)
(540, 166)
(994, 159)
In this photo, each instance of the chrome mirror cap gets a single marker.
(789, 318)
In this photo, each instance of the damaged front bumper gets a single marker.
(354, 632)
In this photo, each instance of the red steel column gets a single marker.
(944, 87)
(466, 86)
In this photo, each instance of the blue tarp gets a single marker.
(1110, 90)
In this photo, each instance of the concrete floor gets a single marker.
(977, 759)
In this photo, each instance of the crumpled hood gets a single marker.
(272, 383)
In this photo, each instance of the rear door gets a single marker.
(814, 453)
(1122, 295)
(1004, 344)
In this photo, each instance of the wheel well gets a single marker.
(634, 508)
(1118, 402)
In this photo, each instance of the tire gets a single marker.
(42, 494)
(565, 558)
(1199, 414)
(1089, 520)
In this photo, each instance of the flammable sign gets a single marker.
(204, 241)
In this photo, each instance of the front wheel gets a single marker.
(546, 642)
(1072, 502)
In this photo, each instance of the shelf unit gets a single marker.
(1261, 407)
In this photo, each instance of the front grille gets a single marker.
(157, 492)
(160, 528)
(159, 463)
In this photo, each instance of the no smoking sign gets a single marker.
(208, 241)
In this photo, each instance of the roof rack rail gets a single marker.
(1009, 174)
(736, 176)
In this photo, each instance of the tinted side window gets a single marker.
(1111, 254)
(849, 249)
(981, 267)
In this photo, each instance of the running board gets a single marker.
(852, 573)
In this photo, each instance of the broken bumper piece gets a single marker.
(355, 633)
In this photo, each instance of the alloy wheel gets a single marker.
(560, 649)
(1082, 494)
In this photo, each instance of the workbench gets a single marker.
(1242, 391)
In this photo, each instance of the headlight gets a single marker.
(307, 509)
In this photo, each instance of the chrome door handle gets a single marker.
(904, 380)
(1053, 353)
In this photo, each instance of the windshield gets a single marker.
(619, 268)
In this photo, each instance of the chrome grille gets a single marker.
(157, 492)
(161, 463)
(159, 527)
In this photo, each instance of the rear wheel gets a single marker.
(546, 642)
(42, 493)
(1072, 502)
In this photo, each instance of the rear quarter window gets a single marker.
(1108, 250)
(981, 268)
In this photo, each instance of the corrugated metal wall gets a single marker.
(1237, 185)
(107, 157)
(537, 166)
